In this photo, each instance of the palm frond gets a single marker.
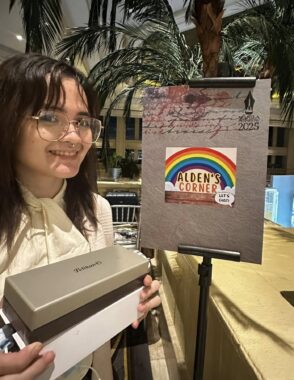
(188, 11)
(11, 4)
(250, 57)
(262, 39)
(42, 21)
(95, 12)
(154, 53)
(104, 12)
(145, 10)
(151, 51)
(84, 41)
(154, 35)
(227, 56)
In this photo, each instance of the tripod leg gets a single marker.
(205, 273)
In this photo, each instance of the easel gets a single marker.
(205, 274)
(205, 268)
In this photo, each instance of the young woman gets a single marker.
(49, 208)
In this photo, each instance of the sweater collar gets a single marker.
(35, 202)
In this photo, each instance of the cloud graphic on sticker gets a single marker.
(169, 186)
(229, 190)
(225, 197)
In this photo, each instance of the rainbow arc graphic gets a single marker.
(204, 159)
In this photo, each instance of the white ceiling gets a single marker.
(75, 14)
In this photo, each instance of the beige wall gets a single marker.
(250, 334)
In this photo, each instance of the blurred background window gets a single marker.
(130, 128)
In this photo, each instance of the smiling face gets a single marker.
(42, 166)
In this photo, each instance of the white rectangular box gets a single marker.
(79, 341)
(74, 306)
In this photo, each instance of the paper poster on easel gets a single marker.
(204, 166)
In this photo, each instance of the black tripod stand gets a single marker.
(205, 274)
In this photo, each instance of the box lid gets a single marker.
(44, 294)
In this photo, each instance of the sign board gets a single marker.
(204, 166)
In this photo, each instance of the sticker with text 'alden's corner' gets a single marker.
(200, 175)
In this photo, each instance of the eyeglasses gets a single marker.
(53, 125)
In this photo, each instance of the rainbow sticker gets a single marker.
(200, 174)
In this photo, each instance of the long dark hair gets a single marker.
(23, 91)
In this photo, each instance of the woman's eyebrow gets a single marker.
(83, 113)
(61, 109)
(54, 108)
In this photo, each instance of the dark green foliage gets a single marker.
(42, 21)
(129, 167)
(259, 41)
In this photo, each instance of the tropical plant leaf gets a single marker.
(152, 51)
(262, 40)
(104, 12)
(42, 21)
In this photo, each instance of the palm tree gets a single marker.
(42, 21)
(207, 16)
(154, 53)
(258, 41)
(261, 43)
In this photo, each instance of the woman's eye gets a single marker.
(84, 123)
(49, 118)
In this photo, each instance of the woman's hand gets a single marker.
(147, 298)
(26, 364)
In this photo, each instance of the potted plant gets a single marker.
(114, 162)
(129, 167)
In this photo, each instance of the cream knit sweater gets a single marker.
(47, 235)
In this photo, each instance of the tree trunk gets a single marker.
(207, 16)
